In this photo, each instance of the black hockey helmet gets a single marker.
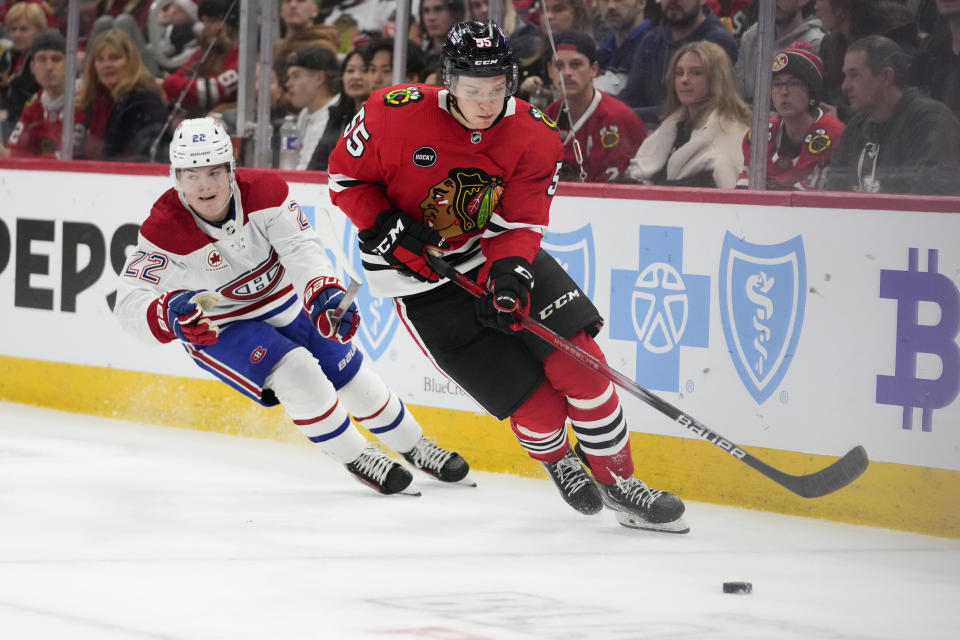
(478, 49)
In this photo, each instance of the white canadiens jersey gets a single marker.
(259, 261)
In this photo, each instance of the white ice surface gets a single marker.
(118, 530)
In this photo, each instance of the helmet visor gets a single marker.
(465, 85)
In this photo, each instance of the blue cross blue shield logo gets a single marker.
(659, 307)
(762, 298)
(575, 253)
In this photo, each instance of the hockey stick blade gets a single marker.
(814, 485)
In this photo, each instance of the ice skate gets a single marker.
(575, 484)
(436, 461)
(372, 467)
(638, 506)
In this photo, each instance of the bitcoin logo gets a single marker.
(904, 388)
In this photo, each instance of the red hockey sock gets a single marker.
(539, 424)
(594, 410)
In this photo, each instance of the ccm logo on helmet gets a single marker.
(424, 157)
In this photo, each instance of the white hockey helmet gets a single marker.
(200, 142)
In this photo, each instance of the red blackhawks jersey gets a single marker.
(805, 171)
(487, 191)
(37, 132)
(609, 133)
(204, 93)
(259, 261)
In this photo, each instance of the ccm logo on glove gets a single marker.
(402, 242)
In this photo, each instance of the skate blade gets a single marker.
(633, 522)
(410, 490)
(466, 481)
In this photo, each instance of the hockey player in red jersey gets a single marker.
(471, 170)
(606, 130)
(228, 265)
(801, 137)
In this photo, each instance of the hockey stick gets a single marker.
(345, 302)
(813, 485)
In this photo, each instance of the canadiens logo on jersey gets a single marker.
(257, 283)
(461, 202)
(401, 97)
(542, 117)
(609, 136)
(257, 355)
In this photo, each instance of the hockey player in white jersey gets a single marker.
(227, 263)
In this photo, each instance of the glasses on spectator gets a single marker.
(791, 85)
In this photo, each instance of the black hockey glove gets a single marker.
(403, 243)
(509, 283)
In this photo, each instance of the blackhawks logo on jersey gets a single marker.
(542, 117)
(609, 136)
(402, 97)
(818, 142)
(461, 202)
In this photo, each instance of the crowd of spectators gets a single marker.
(865, 93)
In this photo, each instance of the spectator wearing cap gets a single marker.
(37, 132)
(625, 22)
(24, 22)
(313, 83)
(801, 137)
(684, 21)
(790, 25)
(699, 143)
(936, 69)
(898, 141)
(607, 131)
(206, 82)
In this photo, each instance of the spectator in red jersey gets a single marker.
(24, 22)
(205, 83)
(607, 131)
(120, 107)
(699, 143)
(37, 132)
(801, 138)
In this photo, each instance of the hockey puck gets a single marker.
(737, 587)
